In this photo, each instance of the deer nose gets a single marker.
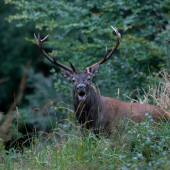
(81, 87)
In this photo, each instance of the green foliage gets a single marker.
(144, 145)
(14, 53)
(80, 30)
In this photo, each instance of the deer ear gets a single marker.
(95, 69)
(66, 74)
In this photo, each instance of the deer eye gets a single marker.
(88, 79)
(73, 80)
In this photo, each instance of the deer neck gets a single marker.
(87, 110)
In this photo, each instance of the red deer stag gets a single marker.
(100, 112)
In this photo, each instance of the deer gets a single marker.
(97, 112)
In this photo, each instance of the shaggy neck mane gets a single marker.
(86, 109)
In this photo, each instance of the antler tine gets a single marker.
(54, 57)
(44, 38)
(35, 38)
(117, 42)
(39, 42)
(110, 54)
(117, 33)
(72, 67)
(104, 59)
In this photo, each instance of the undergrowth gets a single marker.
(144, 145)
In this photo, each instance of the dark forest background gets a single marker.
(79, 31)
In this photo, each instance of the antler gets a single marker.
(88, 69)
(39, 42)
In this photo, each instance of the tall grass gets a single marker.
(144, 145)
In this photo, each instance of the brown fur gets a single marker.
(104, 113)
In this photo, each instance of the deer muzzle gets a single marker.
(81, 89)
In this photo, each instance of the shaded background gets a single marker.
(79, 31)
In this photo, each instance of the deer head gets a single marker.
(81, 80)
